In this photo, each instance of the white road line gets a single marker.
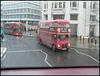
(5, 49)
(3, 57)
(3, 52)
(86, 55)
(29, 51)
(21, 51)
(46, 58)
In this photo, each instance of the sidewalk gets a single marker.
(75, 42)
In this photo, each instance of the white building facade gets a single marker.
(27, 12)
(82, 15)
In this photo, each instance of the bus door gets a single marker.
(54, 38)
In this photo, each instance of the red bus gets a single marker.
(54, 34)
(15, 28)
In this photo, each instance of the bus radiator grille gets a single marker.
(64, 45)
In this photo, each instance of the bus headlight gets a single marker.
(68, 44)
(69, 30)
(58, 45)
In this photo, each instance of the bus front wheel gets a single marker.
(54, 48)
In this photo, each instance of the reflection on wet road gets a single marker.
(27, 52)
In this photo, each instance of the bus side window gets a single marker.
(49, 36)
(54, 24)
(43, 24)
(50, 24)
(46, 24)
(54, 37)
(14, 25)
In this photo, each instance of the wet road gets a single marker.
(27, 52)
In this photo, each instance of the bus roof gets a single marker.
(57, 20)
(13, 22)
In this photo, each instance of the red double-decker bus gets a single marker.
(54, 34)
(15, 28)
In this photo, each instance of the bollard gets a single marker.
(83, 38)
(80, 37)
(92, 40)
(95, 41)
(88, 39)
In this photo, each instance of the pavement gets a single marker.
(77, 43)
(74, 41)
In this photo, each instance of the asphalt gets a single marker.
(27, 52)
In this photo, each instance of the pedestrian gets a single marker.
(24, 28)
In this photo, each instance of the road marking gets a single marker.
(46, 58)
(21, 51)
(86, 55)
(32, 50)
(4, 40)
(5, 49)
(3, 57)
(2, 53)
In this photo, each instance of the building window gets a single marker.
(73, 16)
(92, 18)
(56, 5)
(84, 4)
(74, 3)
(46, 17)
(63, 4)
(44, 6)
(93, 5)
(60, 4)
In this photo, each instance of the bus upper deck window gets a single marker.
(54, 24)
(50, 24)
(66, 25)
(46, 24)
(61, 24)
(41, 24)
